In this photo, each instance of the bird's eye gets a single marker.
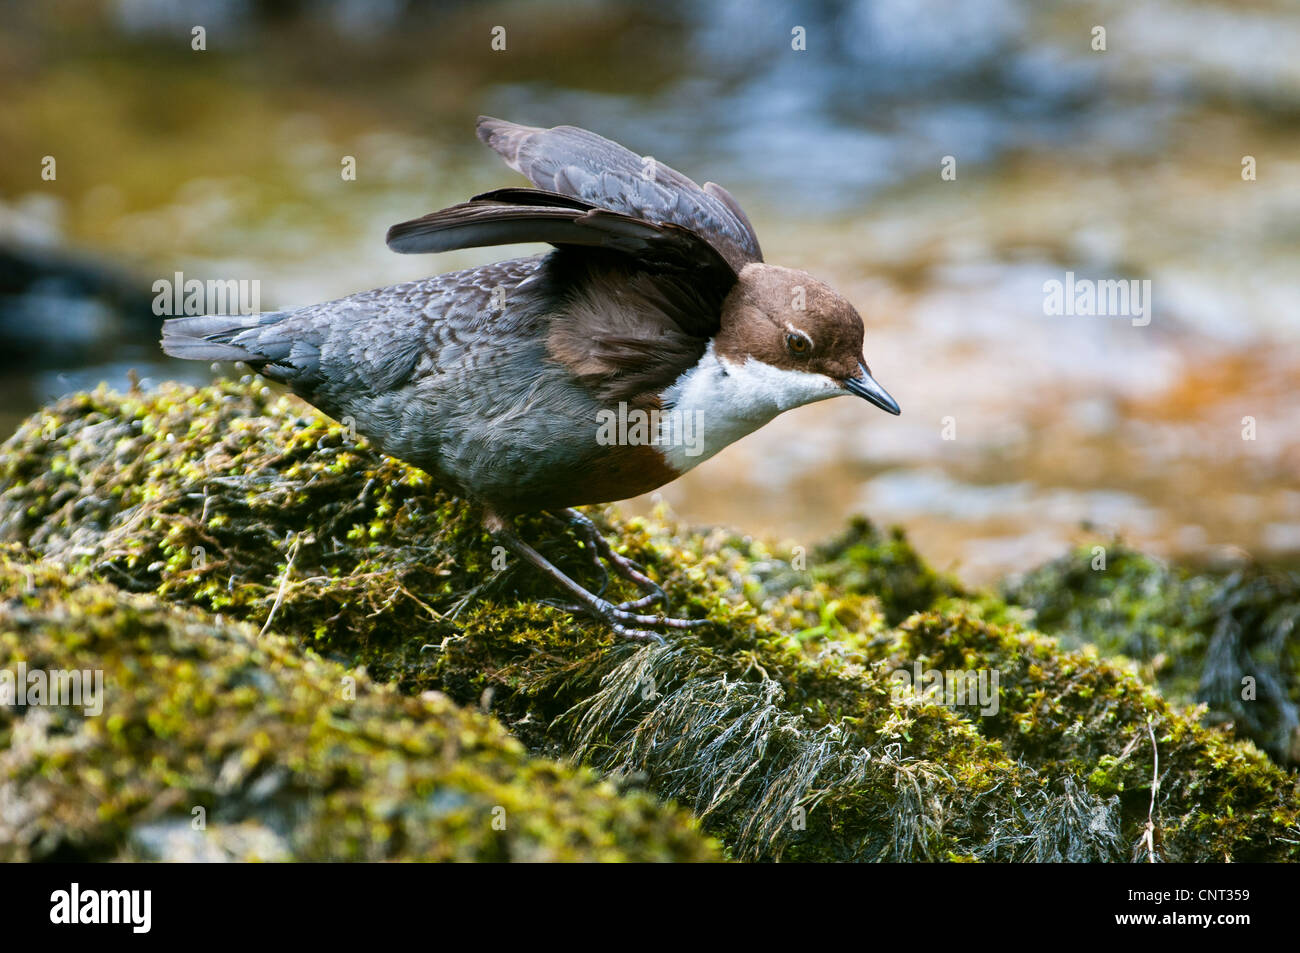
(798, 344)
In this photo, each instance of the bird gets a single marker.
(649, 337)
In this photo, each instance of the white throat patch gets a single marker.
(728, 401)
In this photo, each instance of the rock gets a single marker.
(782, 725)
(1225, 638)
(216, 744)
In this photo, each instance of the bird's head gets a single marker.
(796, 338)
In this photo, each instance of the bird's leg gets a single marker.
(622, 621)
(627, 568)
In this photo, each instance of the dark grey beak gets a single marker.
(865, 386)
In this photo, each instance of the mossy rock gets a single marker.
(780, 724)
(279, 753)
(1222, 637)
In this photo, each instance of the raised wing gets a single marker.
(513, 216)
(637, 301)
(573, 162)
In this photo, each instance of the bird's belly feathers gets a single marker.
(511, 430)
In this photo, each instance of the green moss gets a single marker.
(1068, 713)
(778, 724)
(281, 753)
(1222, 638)
(862, 559)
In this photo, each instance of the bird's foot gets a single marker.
(633, 572)
(626, 619)
(602, 552)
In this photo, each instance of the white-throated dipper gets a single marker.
(504, 381)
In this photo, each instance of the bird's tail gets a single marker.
(219, 337)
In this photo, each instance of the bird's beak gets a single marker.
(865, 386)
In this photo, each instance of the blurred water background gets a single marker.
(1126, 163)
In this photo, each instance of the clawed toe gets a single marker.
(619, 615)
(637, 635)
(626, 619)
(635, 605)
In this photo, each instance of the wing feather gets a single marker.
(514, 216)
(581, 164)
